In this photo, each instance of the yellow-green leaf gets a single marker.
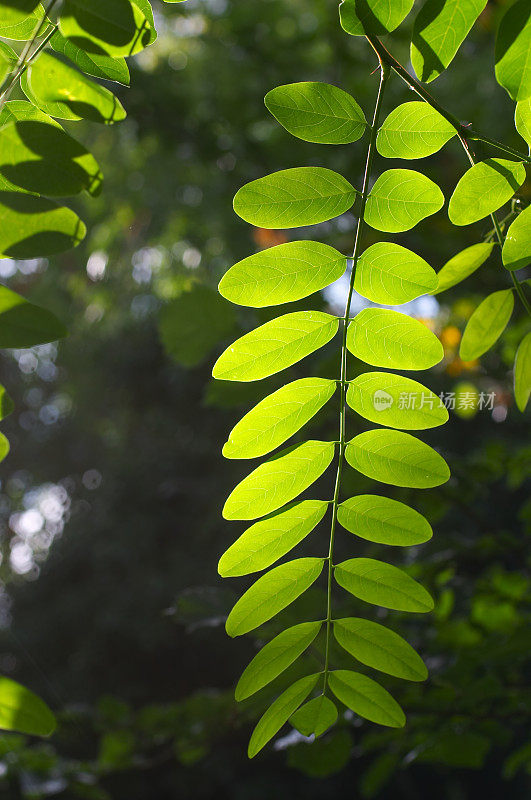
(105, 27)
(413, 130)
(23, 711)
(380, 648)
(516, 251)
(486, 324)
(400, 199)
(522, 373)
(378, 17)
(33, 227)
(366, 698)
(390, 274)
(395, 401)
(382, 585)
(100, 66)
(513, 46)
(23, 324)
(462, 265)
(486, 187)
(382, 520)
(315, 716)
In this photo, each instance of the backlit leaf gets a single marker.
(486, 187)
(400, 199)
(382, 585)
(382, 520)
(275, 657)
(13, 12)
(23, 324)
(516, 251)
(294, 197)
(522, 373)
(4, 447)
(378, 647)
(19, 26)
(486, 324)
(522, 119)
(439, 31)
(62, 91)
(23, 711)
(100, 66)
(513, 46)
(275, 345)
(271, 538)
(462, 265)
(277, 417)
(385, 338)
(315, 716)
(279, 713)
(366, 698)
(413, 130)
(317, 112)
(8, 59)
(105, 27)
(282, 274)
(6, 404)
(373, 16)
(389, 274)
(397, 458)
(33, 227)
(271, 593)
(395, 401)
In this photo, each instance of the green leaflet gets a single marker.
(279, 713)
(413, 130)
(400, 199)
(522, 119)
(486, 324)
(397, 458)
(294, 197)
(23, 711)
(513, 44)
(389, 274)
(366, 698)
(4, 447)
(24, 28)
(13, 12)
(147, 11)
(439, 31)
(62, 91)
(277, 417)
(277, 481)
(6, 404)
(105, 27)
(271, 538)
(484, 188)
(275, 657)
(100, 66)
(317, 112)
(23, 324)
(382, 520)
(282, 274)
(8, 59)
(395, 401)
(275, 345)
(382, 585)
(462, 265)
(522, 373)
(33, 227)
(373, 16)
(385, 338)
(516, 251)
(36, 155)
(271, 593)
(315, 716)
(378, 647)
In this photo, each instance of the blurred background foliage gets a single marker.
(110, 604)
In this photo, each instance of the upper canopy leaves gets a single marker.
(484, 188)
(413, 130)
(378, 17)
(400, 199)
(294, 197)
(317, 112)
(282, 274)
(105, 27)
(389, 274)
(513, 45)
(23, 324)
(516, 251)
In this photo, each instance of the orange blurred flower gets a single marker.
(268, 238)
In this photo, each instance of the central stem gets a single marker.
(384, 75)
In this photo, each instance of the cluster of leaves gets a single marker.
(385, 273)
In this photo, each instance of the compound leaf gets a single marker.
(382, 520)
(378, 17)
(271, 538)
(378, 647)
(389, 274)
(439, 31)
(280, 479)
(462, 265)
(282, 274)
(275, 345)
(279, 713)
(100, 66)
(105, 27)
(382, 585)
(294, 197)
(385, 338)
(277, 417)
(317, 112)
(486, 324)
(513, 45)
(275, 657)
(23, 324)
(522, 373)
(315, 716)
(395, 401)
(271, 593)
(366, 698)
(413, 130)
(516, 251)
(484, 188)
(33, 227)
(23, 711)
(397, 458)
(400, 199)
